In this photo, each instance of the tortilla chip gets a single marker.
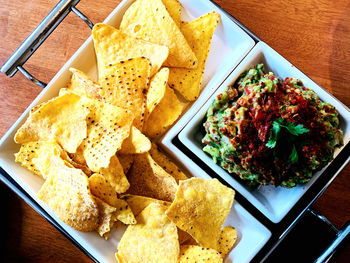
(148, 179)
(228, 237)
(108, 127)
(66, 191)
(83, 85)
(198, 34)
(164, 115)
(153, 239)
(125, 84)
(137, 203)
(112, 46)
(197, 254)
(157, 89)
(101, 188)
(126, 161)
(135, 143)
(78, 156)
(166, 163)
(26, 154)
(62, 119)
(115, 175)
(200, 203)
(149, 20)
(107, 217)
(174, 9)
(43, 161)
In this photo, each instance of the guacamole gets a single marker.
(269, 131)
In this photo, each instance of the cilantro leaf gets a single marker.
(295, 129)
(293, 157)
(275, 130)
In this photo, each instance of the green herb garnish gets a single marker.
(293, 131)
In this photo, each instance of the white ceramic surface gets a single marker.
(273, 202)
(230, 44)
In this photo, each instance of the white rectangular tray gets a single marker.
(230, 45)
(273, 202)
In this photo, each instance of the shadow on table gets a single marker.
(11, 223)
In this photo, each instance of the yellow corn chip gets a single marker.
(153, 239)
(43, 161)
(62, 119)
(125, 84)
(164, 115)
(150, 21)
(126, 160)
(101, 188)
(135, 143)
(115, 175)
(36, 107)
(200, 203)
(66, 191)
(112, 46)
(83, 85)
(198, 34)
(108, 126)
(26, 154)
(107, 217)
(228, 237)
(137, 203)
(166, 163)
(174, 9)
(157, 89)
(78, 156)
(147, 178)
(197, 254)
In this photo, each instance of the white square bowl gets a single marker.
(273, 202)
(228, 38)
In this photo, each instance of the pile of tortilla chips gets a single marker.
(91, 144)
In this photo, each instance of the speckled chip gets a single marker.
(174, 9)
(66, 191)
(101, 188)
(106, 219)
(200, 203)
(125, 84)
(166, 163)
(197, 254)
(83, 85)
(153, 239)
(135, 143)
(164, 115)
(114, 173)
(149, 20)
(137, 203)
(62, 119)
(112, 46)
(157, 89)
(147, 178)
(198, 34)
(107, 127)
(27, 153)
(228, 237)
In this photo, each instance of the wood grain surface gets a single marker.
(313, 34)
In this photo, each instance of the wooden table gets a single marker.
(314, 35)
